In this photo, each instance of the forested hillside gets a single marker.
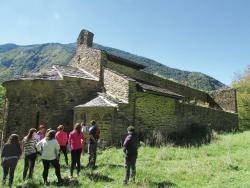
(17, 60)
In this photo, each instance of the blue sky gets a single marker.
(209, 36)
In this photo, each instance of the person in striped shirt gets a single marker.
(30, 153)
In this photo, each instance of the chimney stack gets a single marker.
(85, 38)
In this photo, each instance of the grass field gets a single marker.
(223, 163)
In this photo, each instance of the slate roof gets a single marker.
(69, 71)
(57, 72)
(100, 101)
(123, 61)
(159, 90)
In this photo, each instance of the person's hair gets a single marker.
(131, 129)
(60, 127)
(48, 130)
(50, 135)
(30, 134)
(13, 139)
(93, 122)
(77, 127)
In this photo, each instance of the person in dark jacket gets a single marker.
(94, 134)
(130, 146)
(10, 155)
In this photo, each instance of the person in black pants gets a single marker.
(130, 149)
(50, 152)
(62, 139)
(76, 140)
(94, 134)
(29, 149)
(10, 155)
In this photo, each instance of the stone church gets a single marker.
(115, 92)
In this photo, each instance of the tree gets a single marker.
(242, 84)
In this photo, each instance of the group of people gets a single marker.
(50, 143)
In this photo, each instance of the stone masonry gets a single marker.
(115, 92)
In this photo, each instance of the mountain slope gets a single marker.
(17, 60)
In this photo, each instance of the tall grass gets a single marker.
(223, 163)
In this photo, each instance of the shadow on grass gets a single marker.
(111, 165)
(29, 184)
(97, 177)
(163, 184)
(66, 183)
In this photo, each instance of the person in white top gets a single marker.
(49, 149)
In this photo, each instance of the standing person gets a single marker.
(10, 154)
(76, 140)
(62, 139)
(29, 148)
(130, 149)
(85, 131)
(50, 150)
(41, 133)
(94, 134)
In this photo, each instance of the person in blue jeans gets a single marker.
(10, 155)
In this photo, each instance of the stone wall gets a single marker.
(88, 59)
(116, 86)
(104, 117)
(226, 99)
(189, 93)
(32, 102)
(154, 112)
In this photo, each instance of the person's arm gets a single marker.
(3, 151)
(22, 145)
(19, 152)
(69, 139)
(57, 149)
(83, 143)
(3, 154)
(126, 143)
(39, 146)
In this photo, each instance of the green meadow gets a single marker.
(225, 162)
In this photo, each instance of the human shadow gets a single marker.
(111, 165)
(97, 177)
(67, 183)
(163, 184)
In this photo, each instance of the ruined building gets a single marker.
(115, 92)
